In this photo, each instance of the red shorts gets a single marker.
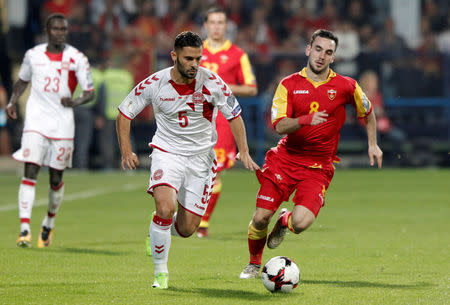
(225, 147)
(279, 179)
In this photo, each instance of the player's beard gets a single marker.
(316, 71)
(184, 72)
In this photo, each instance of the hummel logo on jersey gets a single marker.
(199, 207)
(267, 198)
(301, 92)
(167, 99)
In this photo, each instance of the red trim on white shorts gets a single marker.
(35, 131)
(26, 161)
(166, 184)
(124, 114)
(154, 146)
(189, 210)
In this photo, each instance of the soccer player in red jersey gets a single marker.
(233, 66)
(309, 107)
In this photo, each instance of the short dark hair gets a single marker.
(324, 34)
(54, 16)
(215, 9)
(187, 39)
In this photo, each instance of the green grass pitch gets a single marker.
(382, 238)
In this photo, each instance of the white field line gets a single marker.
(75, 196)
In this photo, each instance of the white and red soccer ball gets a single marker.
(280, 274)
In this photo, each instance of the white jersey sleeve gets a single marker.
(224, 99)
(138, 98)
(83, 73)
(25, 69)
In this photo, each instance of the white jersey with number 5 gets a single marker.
(53, 76)
(185, 114)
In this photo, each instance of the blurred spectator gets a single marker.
(393, 45)
(443, 39)
(58, 6)
(348, 49)
(118, 83)
(82, 34)
(263, 34)
(111, 22)
(386, 130)
(435, 16)
(356, 15)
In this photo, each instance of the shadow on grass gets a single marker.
(82, 251)
(228, 293)
(93, 251)
(364, 284)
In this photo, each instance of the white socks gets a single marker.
(27, 193)
(160, 240)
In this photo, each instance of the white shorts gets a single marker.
(42, 151)
(191, 177)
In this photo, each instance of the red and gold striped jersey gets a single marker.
(230, 62)
(298, 95)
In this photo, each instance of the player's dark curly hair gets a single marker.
(187, 39)
(324, 34)
(54, 16)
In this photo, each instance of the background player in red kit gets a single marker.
(233, 66)
(308, 106)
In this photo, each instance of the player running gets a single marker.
(308, 106)
(186, 99)
(54, 69)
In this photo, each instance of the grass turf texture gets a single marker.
(382, 238)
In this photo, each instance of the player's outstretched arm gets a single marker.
(374, 151)
(129, 158)
(238, 129)
(85, 97)
(11, 108)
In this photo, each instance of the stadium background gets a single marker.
(382, 237)
(405, 42)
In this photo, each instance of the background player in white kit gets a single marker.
(185, 99)
(54, 69)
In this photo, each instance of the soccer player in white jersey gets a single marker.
(54, 69)
(185, 99)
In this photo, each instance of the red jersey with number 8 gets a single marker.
(297, 95)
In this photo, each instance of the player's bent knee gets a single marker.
(186, 230)
(261, 221)
(302, 218)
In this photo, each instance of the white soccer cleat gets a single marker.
(251, 271)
